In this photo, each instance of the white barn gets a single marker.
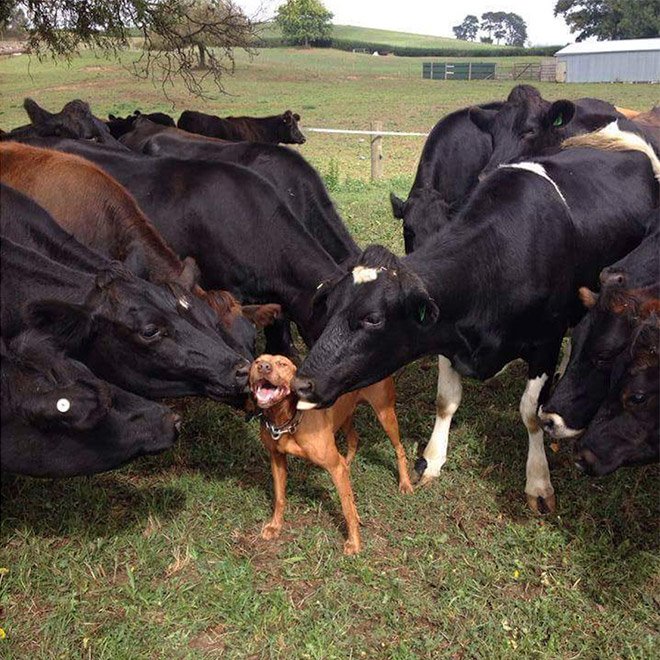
(627, 60)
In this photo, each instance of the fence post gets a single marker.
(376, 151)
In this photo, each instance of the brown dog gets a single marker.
(311, 435)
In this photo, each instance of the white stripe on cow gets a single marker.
(536, 168)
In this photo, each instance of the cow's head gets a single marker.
(288, 131)
(75, 120)
(524, 125)
(119, 126)
(378, 314)
(624, 431)
(424, 213)
(596, 344)
(59, 420)
(156, 341)
(240, 321)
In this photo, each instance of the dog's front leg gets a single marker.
(272, 529)
(340, 477)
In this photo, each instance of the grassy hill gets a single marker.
(347, 37)
(385, 37)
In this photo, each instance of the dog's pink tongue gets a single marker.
(266, 394)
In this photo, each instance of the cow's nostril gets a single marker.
(242, 374)
(304, 387)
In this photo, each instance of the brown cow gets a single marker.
(103, 215)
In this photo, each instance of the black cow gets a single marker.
(498, 283)
(601, 336)
(75, 120)
(527, 125)
(119, 126)
(274, 129)
(59, 420)
(454, 154)
(298, 183)
(147, 339)
(250, 244)
(625, 430)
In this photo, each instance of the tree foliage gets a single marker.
(468, 29)
(611, 19)
(176, 34)
(499, 26)
(504, 26)
(304, 21)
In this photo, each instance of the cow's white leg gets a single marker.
(539, 490)
(447, 401)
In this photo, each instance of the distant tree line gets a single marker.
(498, 27)
(611, 19)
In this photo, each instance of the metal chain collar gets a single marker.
(276, 432)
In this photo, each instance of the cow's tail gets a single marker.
(612, 138)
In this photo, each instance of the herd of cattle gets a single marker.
(128, 244)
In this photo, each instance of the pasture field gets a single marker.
(162, 559)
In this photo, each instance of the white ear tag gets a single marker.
(63, 405)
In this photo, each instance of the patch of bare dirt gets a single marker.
(210, 640)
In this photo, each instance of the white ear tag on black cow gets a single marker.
(63, 405)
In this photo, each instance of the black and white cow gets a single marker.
(454, 154)
(498, 284)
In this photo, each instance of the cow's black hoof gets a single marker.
(420, 466)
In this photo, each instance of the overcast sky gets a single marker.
(434, 16)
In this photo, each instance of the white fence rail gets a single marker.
(377, 134)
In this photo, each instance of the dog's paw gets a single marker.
(270, 531)
(406, 488)
(352, 547)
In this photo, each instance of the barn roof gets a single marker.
(620, 46)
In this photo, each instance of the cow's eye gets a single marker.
(373, 320)
(637, 399)
(601, 361)
(150, 332)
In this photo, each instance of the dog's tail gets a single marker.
(612, 138)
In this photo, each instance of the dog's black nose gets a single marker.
(264, 368)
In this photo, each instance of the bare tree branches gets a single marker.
(189, 40)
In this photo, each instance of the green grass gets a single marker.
(162, 559)
(386, 37)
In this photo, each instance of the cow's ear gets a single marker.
(296, 116)
(262, 315)
(418, 305)
(112, 117)
(421, 308)
(69, 324)
(36, 113)
(560, 114)
(398, 206)
(190, 274)
(482, 119)
(136, 113)
(587, 297)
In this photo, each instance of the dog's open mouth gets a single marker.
(266, 394)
